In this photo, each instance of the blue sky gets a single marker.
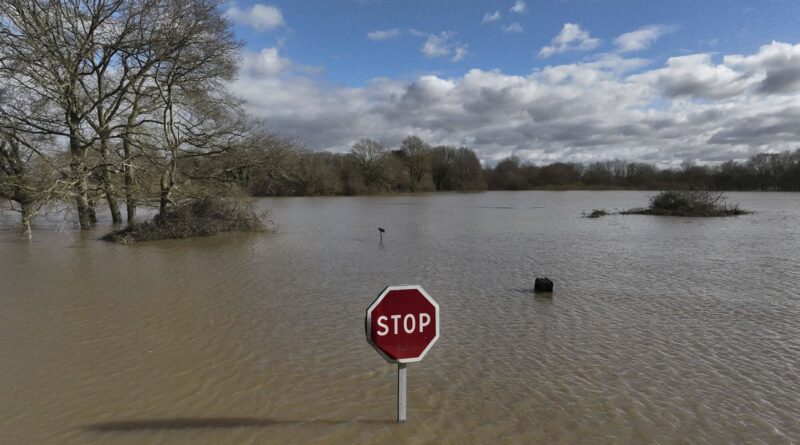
(374, 58)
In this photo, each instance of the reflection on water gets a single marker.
(660, 330)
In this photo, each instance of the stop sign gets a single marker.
(403, 323)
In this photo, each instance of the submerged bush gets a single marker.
(199, 217)
(689, 203)
(596, 213)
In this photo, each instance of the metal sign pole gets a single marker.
(401, 392)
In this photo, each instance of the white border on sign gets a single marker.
(368, 322)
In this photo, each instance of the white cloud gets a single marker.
(692, 107)
(259, 17)
(640, 39)
(513, 28)
(696, 75)
(519, 7)
(491, 18)
(776, 66)
(460, 51)
(571, 38)
(385, 34)
(267, 62)
(442, 45)
(435, 45)
(438, 45)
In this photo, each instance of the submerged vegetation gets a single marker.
(688, 203)
(200, 217)
(596, 213)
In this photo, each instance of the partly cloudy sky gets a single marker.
(568, 80)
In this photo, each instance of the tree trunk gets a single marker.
(113, 206)
(78, 169)
(108, 186)
(27, 217)
(167, 183)
(130, 200)
(127, 171)
(81, 198)
(92, 209)
(164, 200)
(104, 134)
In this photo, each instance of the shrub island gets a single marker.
(698, 203)
(596, 213)
(198, 217)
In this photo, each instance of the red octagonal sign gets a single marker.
(403, 323)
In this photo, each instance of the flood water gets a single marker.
(660, 330)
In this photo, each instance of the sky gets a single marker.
(558, 80)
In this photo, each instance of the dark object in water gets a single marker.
(381, 229)
(543, 285)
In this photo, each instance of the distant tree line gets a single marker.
(764, 171)
(368, 168)
(418, 167)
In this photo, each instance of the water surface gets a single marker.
(661, 330)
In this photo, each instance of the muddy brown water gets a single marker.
(660, 330)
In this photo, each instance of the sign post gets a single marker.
(401, 392)
(402, 324)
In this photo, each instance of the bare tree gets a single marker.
(197, 116)
(125, 82)
(47, 52)
(416, 152)
(28, 178)
(120, 62)
(370, 157)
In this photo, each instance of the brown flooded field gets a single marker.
(661, 330)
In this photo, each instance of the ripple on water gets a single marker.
(660, 330)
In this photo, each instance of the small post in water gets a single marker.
(401, 392)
